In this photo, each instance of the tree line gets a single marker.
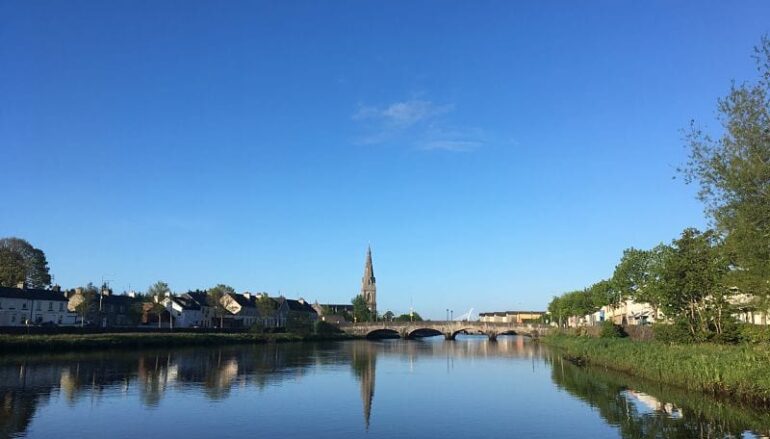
(695, 280)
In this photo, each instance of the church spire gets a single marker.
(369, 283)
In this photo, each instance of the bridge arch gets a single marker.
(424, 332)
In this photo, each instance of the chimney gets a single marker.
(106, 292)
(247, 296)
(132, 294)
(56, 288)
(78, 290)
(21, 285)
(301, 300)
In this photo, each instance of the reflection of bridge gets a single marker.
(449, 329)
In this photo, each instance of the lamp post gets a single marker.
(447, 314)
(451, 314)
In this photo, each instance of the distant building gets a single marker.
(333, 313)
(369, 283)
(519, 317)
(22, 306)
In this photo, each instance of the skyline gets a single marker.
(493, 156)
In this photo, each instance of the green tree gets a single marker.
(85, 301)
(733, 173)
(36, 265)
(215, 296)
(156, 294)
(361, 311)
(12, 268)
(388, 316)
(638, 274)
(411, 317)
(692, 277)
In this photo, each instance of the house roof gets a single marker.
(199, 297)
(120, 299)
(187, 303)
(296, 305)
(338, 307)
(32, 294)
(242, 300)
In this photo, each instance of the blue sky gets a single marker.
(494, 154)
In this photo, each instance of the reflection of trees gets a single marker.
(642, 409)
(27, 381)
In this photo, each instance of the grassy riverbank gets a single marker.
(740, 371)
(66, 342)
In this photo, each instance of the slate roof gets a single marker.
(240, 299)
(32, 294)
(199, 297)
(296, 305)
(187, 303)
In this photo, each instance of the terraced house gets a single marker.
(23, 306)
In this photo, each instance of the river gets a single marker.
(427, 388)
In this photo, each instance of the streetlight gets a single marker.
(447, 314)
(451, 314)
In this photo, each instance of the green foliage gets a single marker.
(36, 273)
(88, 296)
(692, 282)
(739, 370)
(412, 317)
(733, 172)
(388, 316)
(326, 328)
(611, 330)
(215, 296)
(754, 334)
(361, 312)
(12, 268)
(676, 332)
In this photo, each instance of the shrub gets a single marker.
(326, 328)
(676, 332)
(753, 334)
(611, 330)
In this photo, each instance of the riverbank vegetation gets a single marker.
(703, 281)
(739, 371)
(67, 342)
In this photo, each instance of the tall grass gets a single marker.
(741, 371)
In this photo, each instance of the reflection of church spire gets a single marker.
(364, 364)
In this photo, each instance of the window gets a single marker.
(61, 308)
(1, 304)
(13, 318)
(24, 305)
(50, 306)
(38, 305)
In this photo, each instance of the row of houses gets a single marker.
(630, 312)
(195, 310)
(518, 317)
(22, 306)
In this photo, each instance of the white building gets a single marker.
(28, 306)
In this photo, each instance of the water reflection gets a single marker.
(641, 409)
(636, 409)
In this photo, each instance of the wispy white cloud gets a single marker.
(402, 114)
(421, 123)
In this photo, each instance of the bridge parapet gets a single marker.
(450, 329)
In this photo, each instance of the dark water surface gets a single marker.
(390, 389)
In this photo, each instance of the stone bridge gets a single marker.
(449, 329)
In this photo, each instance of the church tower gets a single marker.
(368, 283)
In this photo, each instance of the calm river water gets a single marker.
(428, 388)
